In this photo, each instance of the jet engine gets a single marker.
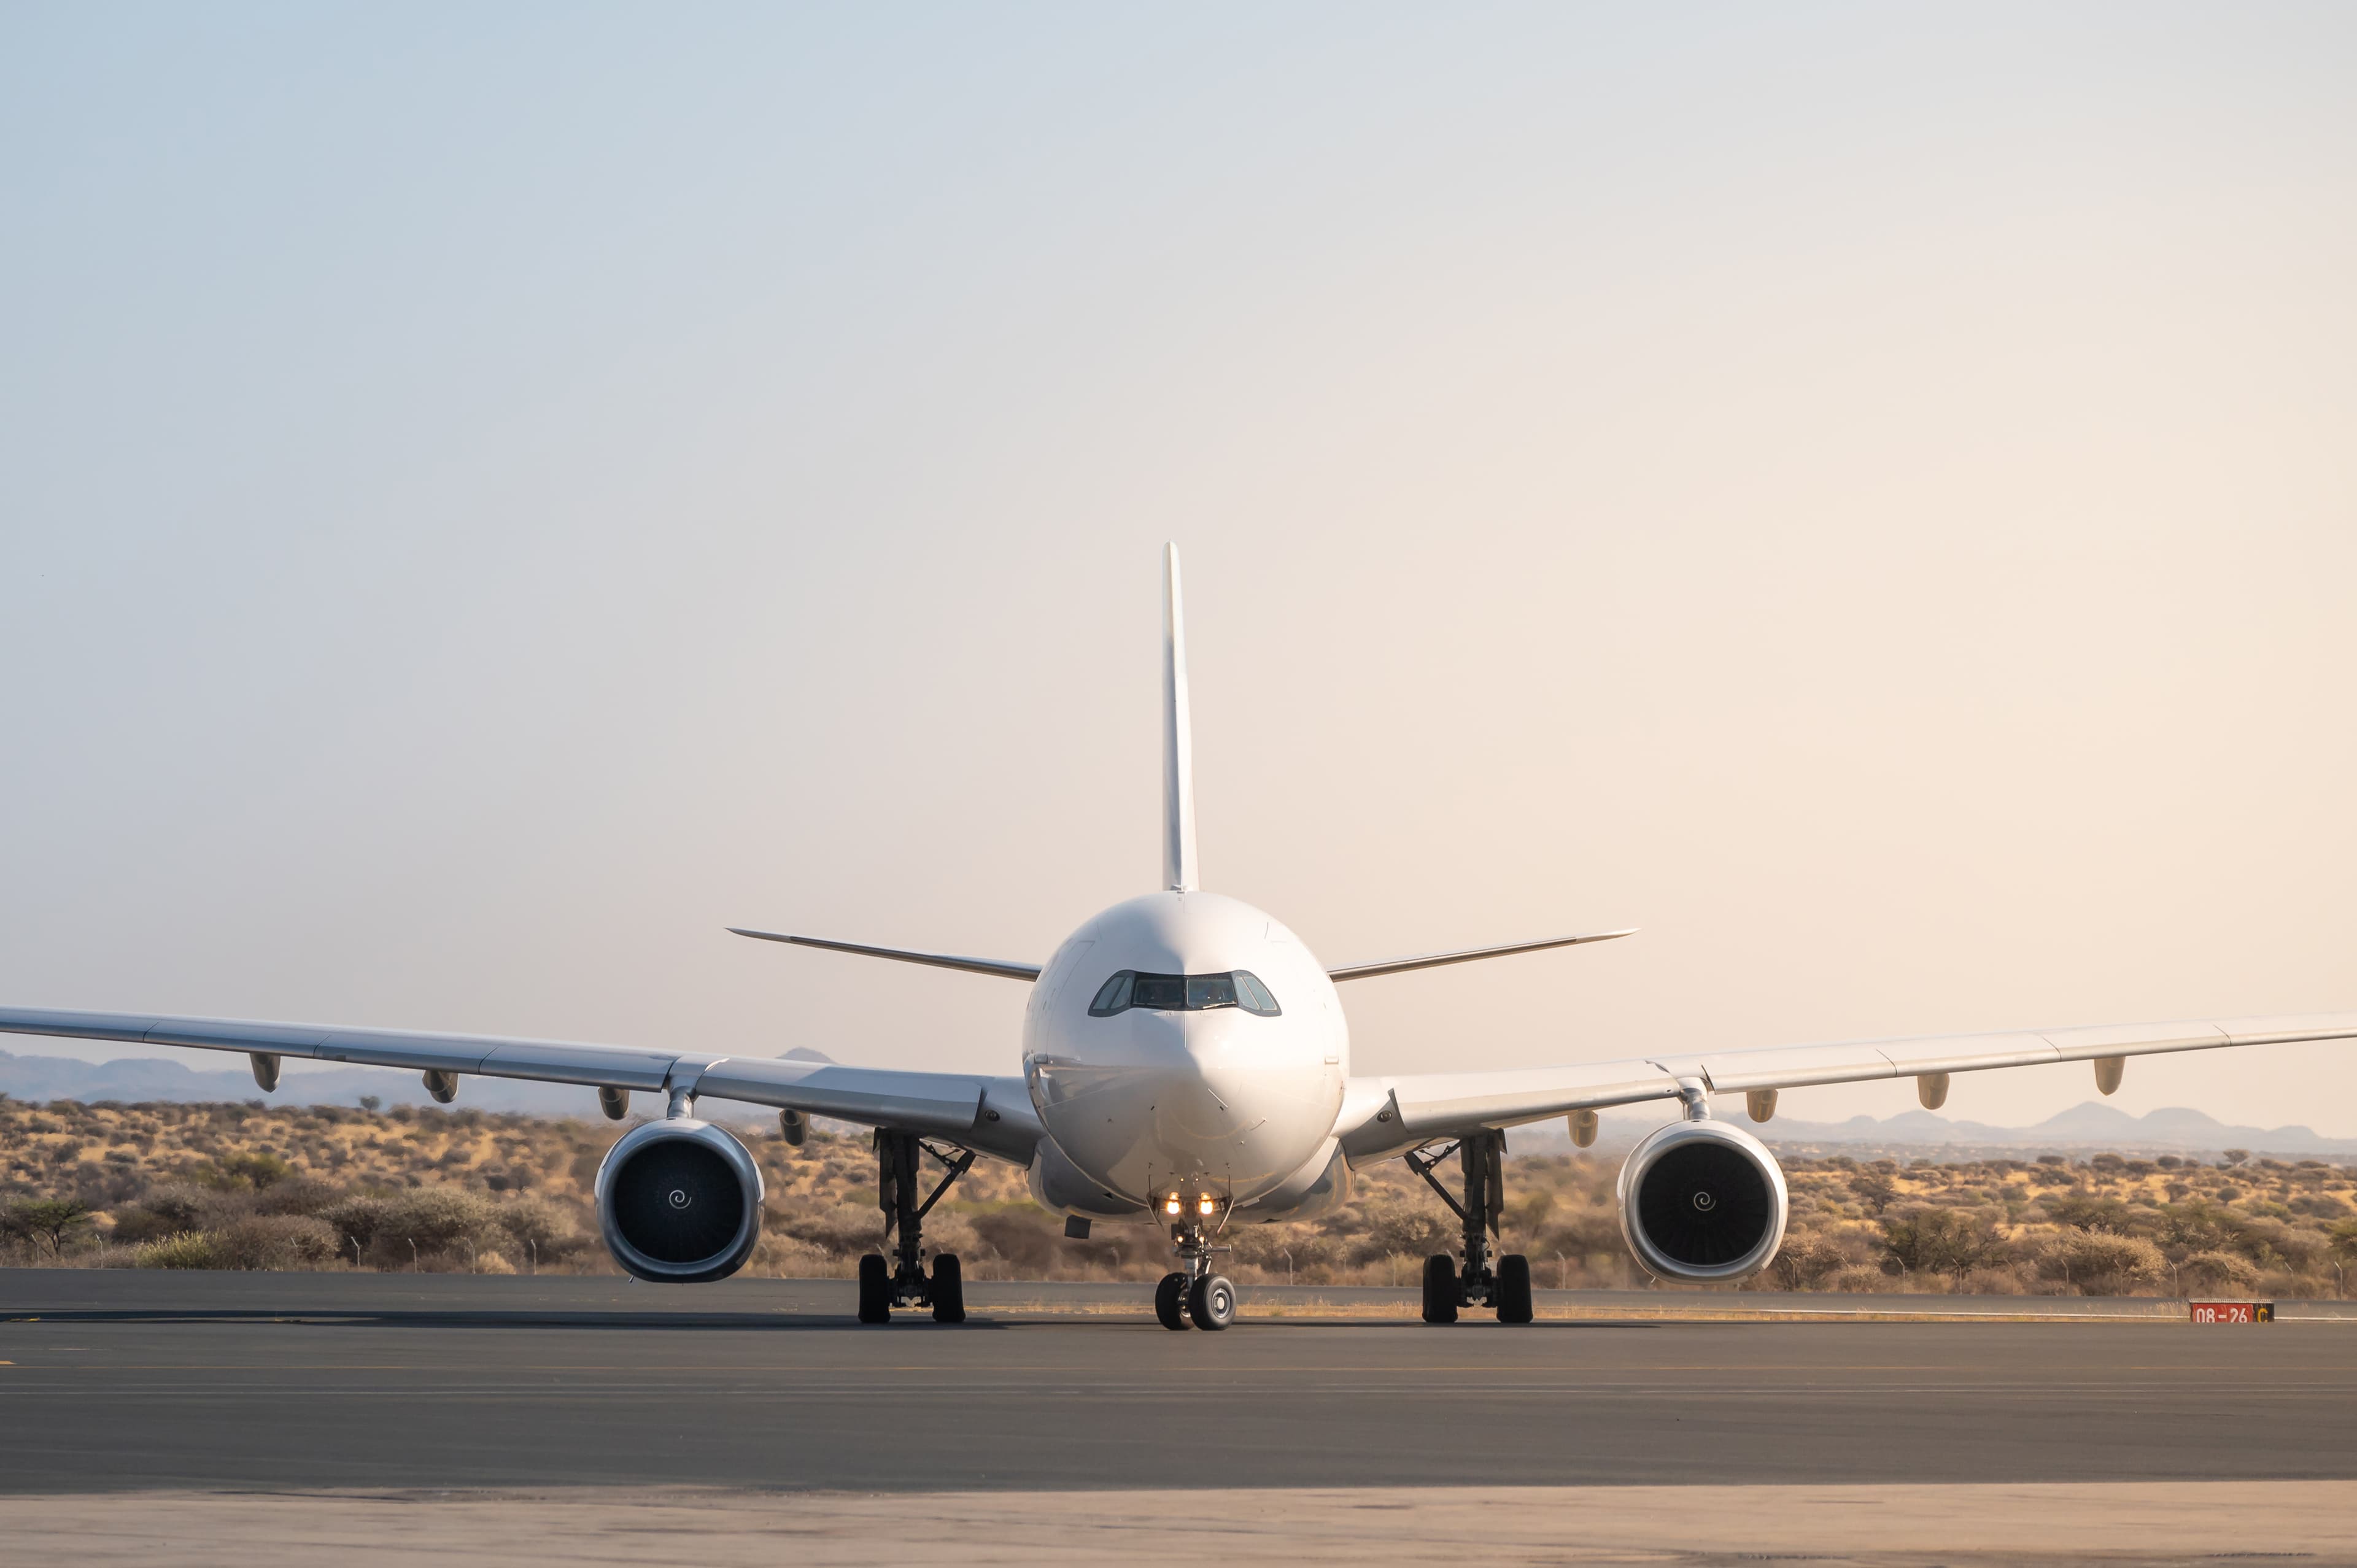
(1702, 1201)
(680, 1202)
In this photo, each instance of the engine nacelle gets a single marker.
(680, 1202)
(1702, 1201)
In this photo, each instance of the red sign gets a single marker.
(2233, 1311)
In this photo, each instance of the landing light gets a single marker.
(1206, 1204)
(1172, 1206)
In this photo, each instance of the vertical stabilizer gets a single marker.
(1178, 747)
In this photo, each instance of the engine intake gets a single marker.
(1702, 1201)
(680, 1202)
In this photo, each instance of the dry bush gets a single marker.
(2219, 1271)
(2102, 1262)
(277, 1241)
(850, 1227)
(538, 1230)
(189, 1250)
(440, 1218)
(1861, 1279)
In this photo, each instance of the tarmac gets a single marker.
(131, 1381)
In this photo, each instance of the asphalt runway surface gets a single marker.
(126, 1381)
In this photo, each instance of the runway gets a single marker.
(125, 1382)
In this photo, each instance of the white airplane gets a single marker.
(1186, 1062)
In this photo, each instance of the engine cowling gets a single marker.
(1702, 1201)
(679, 1201)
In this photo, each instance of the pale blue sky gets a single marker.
(488, 498)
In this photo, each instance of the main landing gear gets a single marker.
(1446, 1287)
(1193, 1294)
(903, 1281)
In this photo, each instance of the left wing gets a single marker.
(1383, 1116)
(991, 1115)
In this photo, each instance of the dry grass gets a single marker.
(258, 1187)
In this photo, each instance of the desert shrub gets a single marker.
(1860, 1278)
(1951, 1241)
(850, 1227)
(1029, 1239)
(295, 1195)
(537, 1229)
(1404, 1227)
(2089, 1211)
(1580, 1233)
(1805, 1260)
(188, 1250)
(946, 1230)
(2218, 1271)
(253, 1168)
(2100, 1262)
(135, 1224)
(439, 1217)
(183, 1206)
(361, 1218)
(277, 1241)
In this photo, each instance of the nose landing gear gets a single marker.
(1446, 1287)
(903, 1281)
(1193, 1294)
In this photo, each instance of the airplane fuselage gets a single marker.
(1182, 1080)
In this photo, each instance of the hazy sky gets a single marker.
(489, 496)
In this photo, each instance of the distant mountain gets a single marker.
(134, 1078)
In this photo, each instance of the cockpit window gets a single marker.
(1184, 994)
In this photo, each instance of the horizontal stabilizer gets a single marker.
(937, 960)
(1466, 955)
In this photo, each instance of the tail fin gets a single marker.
(1178, 745)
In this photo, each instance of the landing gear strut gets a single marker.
(902, 1281)
(1507, 1288)
(1193, 1294)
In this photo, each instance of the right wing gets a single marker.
(991, 1115)
(1383, 1116)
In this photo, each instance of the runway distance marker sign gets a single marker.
(2206, 1312)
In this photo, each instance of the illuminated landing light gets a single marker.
(1206, 1205)
(1172, 1207)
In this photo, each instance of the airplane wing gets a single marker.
(993, 1116)
(1383, 1116)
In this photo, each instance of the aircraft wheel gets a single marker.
(1170, 1301)
(1440, 1288)
(949, 1288)
(1513, 1288)
(1212, 1302)
(874, 1290)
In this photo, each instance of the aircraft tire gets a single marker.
(874, 1290)
(1513, 1288)
(1170, 1301)
(1211, 1302)
(1440, 1288)
(949, 1288)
